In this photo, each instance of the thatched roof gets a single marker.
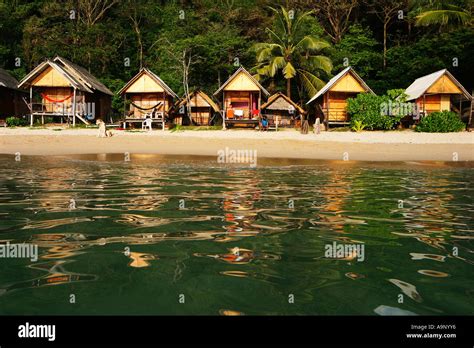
(199, 99)
(234, 75)
(76, 75)
(422, 84)
(82, 74)
(279, 101)
(7, 80)
(335, 79)
(153, 76)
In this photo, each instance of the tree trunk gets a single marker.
(186, 65)
(288, 88)
(469, 120)
(385, 44)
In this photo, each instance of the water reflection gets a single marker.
(432, 273)
(408, 289)
(238, 226)
(238, 255)
(56, 275)
(228, 312)
(140, 260)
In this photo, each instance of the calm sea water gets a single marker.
(141, 237)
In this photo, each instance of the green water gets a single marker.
(116, 235)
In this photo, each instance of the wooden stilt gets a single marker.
(327, 111)
(224, 111)
(74, 109)
(31, 106)
(469, 119)
(164, 108)
(424, 106)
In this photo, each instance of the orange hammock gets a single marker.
(55, 100)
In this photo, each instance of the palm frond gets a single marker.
(267, 51)
(312, 43)
(276, 64)
(264, 70)
(321, 63)
(275, 36)
(442, 17)
(311, 83)
(288, 20)
(289, 71)
(300, 19)
(280, 20)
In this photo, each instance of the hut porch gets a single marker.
(59, 103)
(334, 107)
(438, 91)
(282, 112)
(147, 105)
(61, 89)
(241, 99)
(241, 107)
(146, 96)
(201, 107)
(332, 98)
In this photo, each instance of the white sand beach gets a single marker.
(366, 146)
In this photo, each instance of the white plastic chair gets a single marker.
(147, 124)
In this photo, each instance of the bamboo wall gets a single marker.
(51, 78)
(56, 87)
(57, 93)
(242, 82)
(444, 85)
(237, 98)
(103, 104)
(284, 118)
(337, 105)
(434, 103)
(438, 96)
(201, 115)
(348, 83)
(145, 84)
(148, 100)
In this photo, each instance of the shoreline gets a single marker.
(289, 144)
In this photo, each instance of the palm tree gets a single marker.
(443, 13)
(293, 52)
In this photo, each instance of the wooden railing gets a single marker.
(51, 108)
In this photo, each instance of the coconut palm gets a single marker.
(443, 13)
(293, 51)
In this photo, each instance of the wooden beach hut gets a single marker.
(61, 89)
(331, 100)
(281, 111)
(11, 103)
(241, 99)
(203, 108)
(438, 91)
(149, 97)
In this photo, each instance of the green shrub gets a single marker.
(15, 122)
(441, 122)
(368, 110)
